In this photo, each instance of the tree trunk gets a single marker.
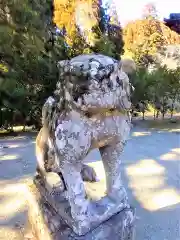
(154, 113)
(163, 108)
(157, 114)
(172, 106)
(143, 115)
(24, 122)
(12, 121)
(24, 127)
(163, 114)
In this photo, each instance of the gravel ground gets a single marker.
(151, 173)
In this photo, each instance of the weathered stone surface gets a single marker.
(118, 227)
(54, 182)
(89, 109)
(59, 202)
(48, 224)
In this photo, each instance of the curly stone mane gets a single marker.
(75, 77)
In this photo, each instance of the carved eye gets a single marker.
(110, 84)
(81, 66)
(119, 81)
(98, 77)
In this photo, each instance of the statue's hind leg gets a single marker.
(112, 163)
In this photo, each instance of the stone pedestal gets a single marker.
(118, 227)
(47, 223)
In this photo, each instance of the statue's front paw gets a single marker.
(54, 183)
(88, 174)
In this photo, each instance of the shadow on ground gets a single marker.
(17, 167)
(151, 173)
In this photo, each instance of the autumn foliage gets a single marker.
(145, 37)
(30, 47)
(69, 13)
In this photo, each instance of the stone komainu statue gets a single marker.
(89, 109)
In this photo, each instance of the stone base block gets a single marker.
(118, 227)
(46, 223)
(99, 210)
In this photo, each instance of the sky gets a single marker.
(131, 9)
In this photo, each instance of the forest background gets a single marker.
(35, 34)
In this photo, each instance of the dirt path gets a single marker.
(17, 166)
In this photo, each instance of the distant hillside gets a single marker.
(147, 36)
(173, 22)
